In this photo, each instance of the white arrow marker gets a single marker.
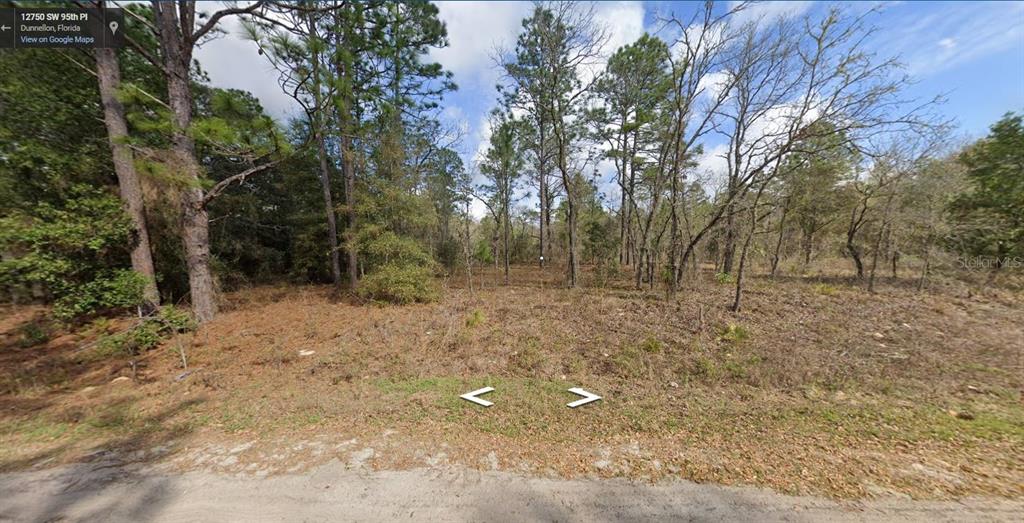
(472, 396)
(587, 397)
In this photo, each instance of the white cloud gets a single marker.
(713, 166)
(769, 10)
(624, 22)
(475, 30)
(232, 62)
(483, 138)
(712, 84)
(454, 115)
(952, 34)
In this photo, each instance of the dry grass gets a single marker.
(816, 387)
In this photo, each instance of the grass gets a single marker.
(475, 318)
(825, 289)
(521, 405)
(33, 334)
(733, 333)
(801, 400)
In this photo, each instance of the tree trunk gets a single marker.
(543, 209)
(496, 242)
(737, 299)
(109, 74)
(344, 105)
(729, 249)
(883, 230)
(332, 224)
(808, 247)
(542, 175)
(325, 173)
(674, 237)
(874, 260)
(195, 232)
(570, 199)
(856, 254)
(927, 261)
(505, 230)
(468, 250)
(350, 211)
(778, 242)
(574, 262)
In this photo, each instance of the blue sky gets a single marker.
(973, 53)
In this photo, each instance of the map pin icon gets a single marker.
(113, 27)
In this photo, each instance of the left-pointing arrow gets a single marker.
(472, 396)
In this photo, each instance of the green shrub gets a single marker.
(33, 334)
(825, 289)
(630, 362)
(387, 248)
(482, 253)
(400, 270)
(72, 251)
(140, 338)
(399, 284)
(146, 335)
(475, 318)
(734, 333)
(651, 345)
(120, 289)
(174, 320)
(705, 367)
(528, 359)
(724, 277)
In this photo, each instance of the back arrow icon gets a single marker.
(587, 397)
(472, 396)
(4, 27)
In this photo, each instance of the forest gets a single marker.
(666, 217)
(144, 184)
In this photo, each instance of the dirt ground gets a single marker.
(816, 387)
(106, 491)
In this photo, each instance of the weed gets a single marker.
(724, 277)
(475, 318)
(145, 335)
(825, 289)
(33, 334)
(706, 367)
(527, 359)
(733, 333)
(114, 418)
(651, 346)
(735, 369)
(100, 326)
(630, 362)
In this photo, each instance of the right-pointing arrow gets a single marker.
(472, 396)
(587, 397)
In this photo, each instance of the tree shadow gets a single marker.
(56, 364)
(107, 467)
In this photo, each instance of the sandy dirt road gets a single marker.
(112, 491)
